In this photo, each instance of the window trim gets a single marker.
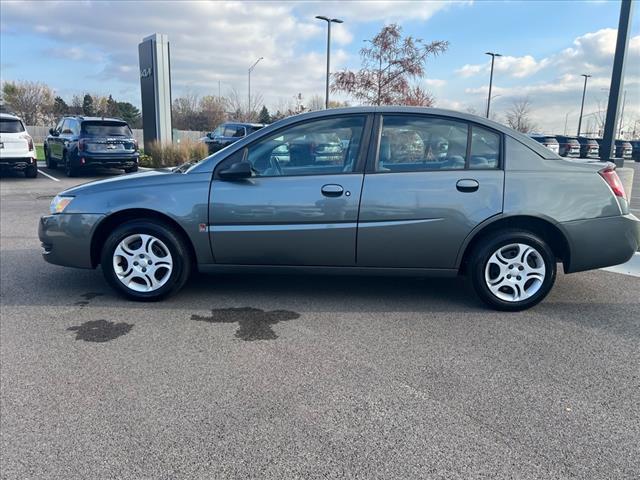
(372, 158)
(359, 165)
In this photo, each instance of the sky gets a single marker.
(91, 46)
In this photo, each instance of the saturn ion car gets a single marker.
(414, 191)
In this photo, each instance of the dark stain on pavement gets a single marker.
(253, 323)
(87, 298)
(100, 330)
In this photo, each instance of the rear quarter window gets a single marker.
(11, 125)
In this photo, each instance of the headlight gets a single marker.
(59, 203)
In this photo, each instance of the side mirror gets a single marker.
(237, 171)
(210, 135)
(52, 131)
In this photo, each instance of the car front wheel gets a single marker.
(513, 270)
(145, 260)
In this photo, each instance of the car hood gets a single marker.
(136, 180)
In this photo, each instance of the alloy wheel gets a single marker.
(142, 262)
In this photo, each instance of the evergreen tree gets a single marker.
(112, 108)
(60, 107)
(87, 106)
(130, 114)
(264, 116)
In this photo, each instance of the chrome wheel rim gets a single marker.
(142, 263)
(515, 272)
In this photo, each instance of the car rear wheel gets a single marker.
(513, 270)
(69, 170)
(31, 172)
(50, 162)
(145, 260)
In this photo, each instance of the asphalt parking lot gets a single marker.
(307, 377)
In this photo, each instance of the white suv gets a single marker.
(16, 147)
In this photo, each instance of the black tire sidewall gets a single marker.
(68, 168)
(489, 245)
(31, 172)
(173, 241)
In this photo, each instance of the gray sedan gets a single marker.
(411, 191)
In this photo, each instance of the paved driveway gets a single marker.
(307, 377)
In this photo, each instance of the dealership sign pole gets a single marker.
(155, 89)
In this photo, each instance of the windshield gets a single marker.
(106, 129)
(11, 125)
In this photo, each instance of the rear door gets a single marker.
(428, 183)
(292, 212)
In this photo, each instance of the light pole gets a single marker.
(493, 58)
(584, 91)
(329, 22)
(249, 85)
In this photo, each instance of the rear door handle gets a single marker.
(467, 185)
(332, 190)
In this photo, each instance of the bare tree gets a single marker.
(32, 101)
(519, 116)
(316, 103)
(237, 106)
(388, 66)
(213, 110)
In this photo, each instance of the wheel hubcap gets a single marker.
(142, 262)
(515, 272)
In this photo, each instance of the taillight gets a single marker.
(29, 141)
(613, 180)
(81, 145)
(135, 145)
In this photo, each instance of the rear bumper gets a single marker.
(102, 160)
(601, 242)
(66, 238)
(17, 163)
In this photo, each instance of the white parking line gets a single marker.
(47, 175)
(632, 267)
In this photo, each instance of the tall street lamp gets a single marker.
(329, 22)
(493, 58)
(249, 84)
(584, 91)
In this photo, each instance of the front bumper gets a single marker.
(66, 238)
(601, 242)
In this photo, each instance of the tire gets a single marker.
(31, 172)
(50, 162)
(132, 244)
(508, 283)
(131, 170)
(69, 170)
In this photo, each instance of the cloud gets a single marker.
(591, 53)
(210, 42)
(435, 82)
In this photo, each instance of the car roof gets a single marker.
(9, 116)
(82, 118)
(245, 124)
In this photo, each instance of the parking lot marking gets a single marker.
(47, 175)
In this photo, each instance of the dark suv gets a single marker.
(228, 133)
(81, 142)
(569, 146)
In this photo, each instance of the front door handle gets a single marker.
(467, 185)
(332, 190)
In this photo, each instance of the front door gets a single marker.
(431, 181)
(300, 207)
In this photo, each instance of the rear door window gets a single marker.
(420, 143)
(485, 148)
(106, 129)
(11, 125)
